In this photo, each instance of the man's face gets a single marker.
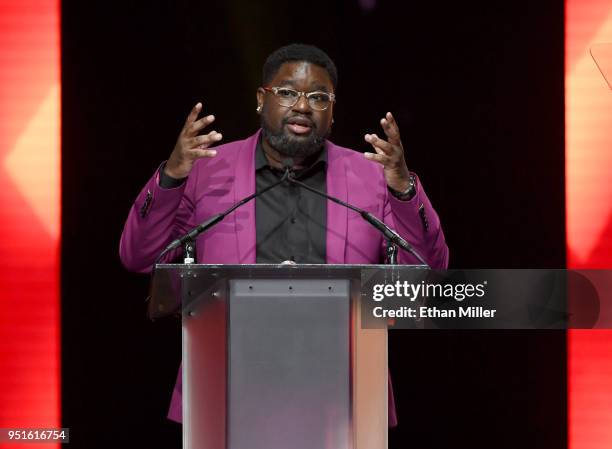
(299, 130)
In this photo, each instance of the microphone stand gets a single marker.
(188, 240)
(394, 240)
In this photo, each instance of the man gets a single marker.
(296, 104)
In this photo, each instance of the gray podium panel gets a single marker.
(289, 364)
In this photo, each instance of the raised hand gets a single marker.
(390, 154)
(190, 146)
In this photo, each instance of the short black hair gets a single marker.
(298, 52)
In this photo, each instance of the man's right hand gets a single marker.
(190, 146)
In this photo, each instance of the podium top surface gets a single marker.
(171, 281)
(279, 269)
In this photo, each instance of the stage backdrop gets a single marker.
(589, 210)
(29, 214)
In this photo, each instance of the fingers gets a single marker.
(204, 141)
(197, 153)
(192, 142)
(192, 125)
(391, 129)
(382, 159)
(383, 150)
(379, 143)
(196, 126)
(193, 115)
(200, 143)
(388, 152)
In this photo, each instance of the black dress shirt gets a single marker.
(290, 220)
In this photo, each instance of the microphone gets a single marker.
(389, 233)
(212, 221)
(288, 166)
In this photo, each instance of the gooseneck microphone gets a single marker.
(212, 221)
(289, 175)
(389, 233)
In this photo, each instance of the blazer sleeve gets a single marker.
(157, 217)
(418, 223)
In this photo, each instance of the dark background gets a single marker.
(477, 88)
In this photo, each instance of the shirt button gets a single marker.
(293, 220)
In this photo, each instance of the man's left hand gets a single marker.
(390, 154)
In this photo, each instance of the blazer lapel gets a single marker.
(244, 216)
(337, 215)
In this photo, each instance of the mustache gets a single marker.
(304, 118)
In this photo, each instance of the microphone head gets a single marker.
(287, 163)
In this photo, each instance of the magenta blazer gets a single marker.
(160, 215)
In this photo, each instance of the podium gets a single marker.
(274, 356)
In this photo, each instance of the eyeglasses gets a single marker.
(317, 100)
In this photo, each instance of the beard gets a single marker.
(293, 146)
